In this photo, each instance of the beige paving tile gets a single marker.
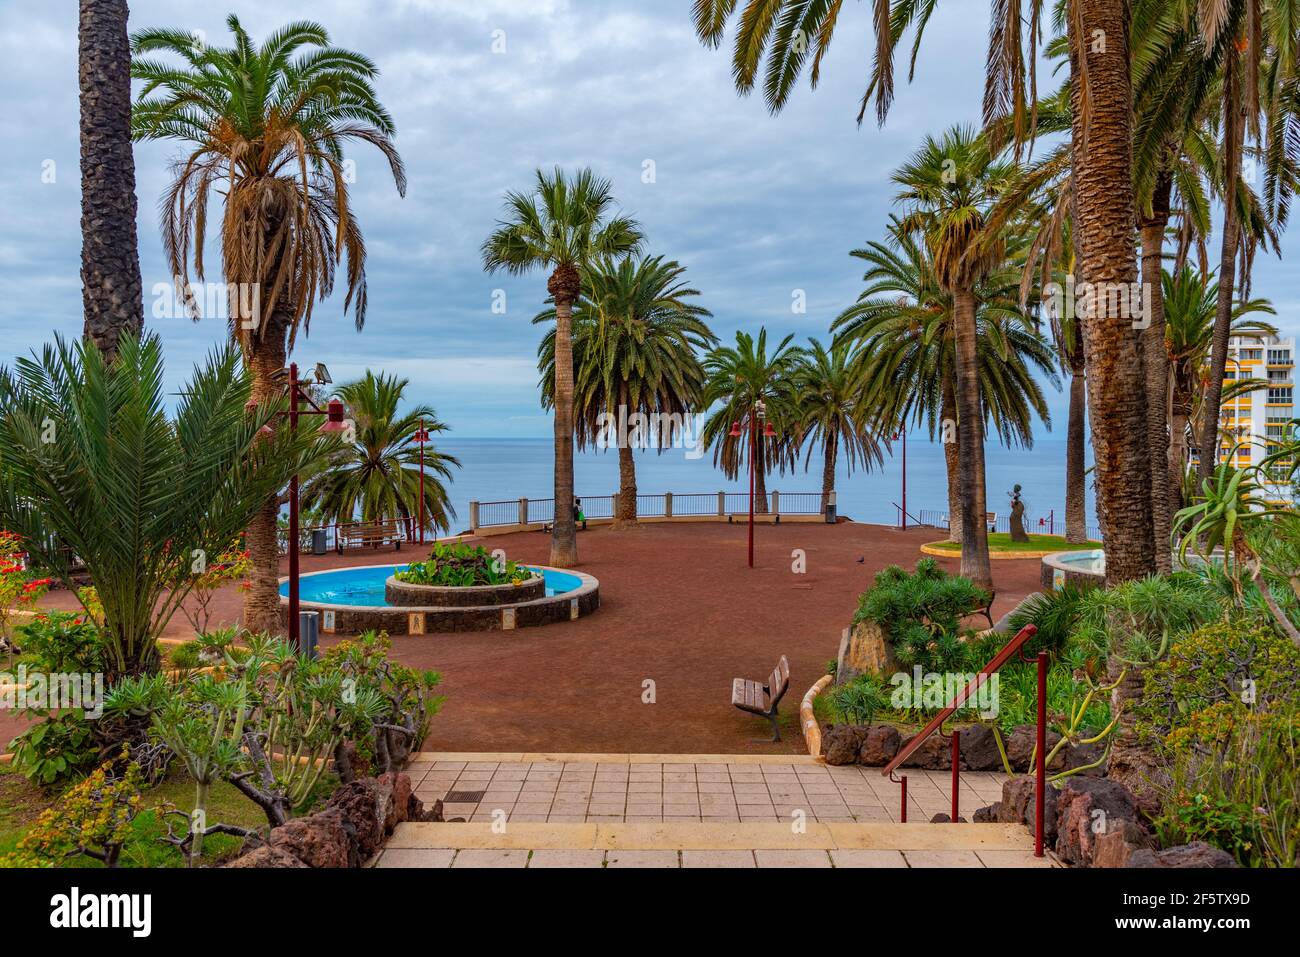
(416, 857)
(555, 858)
(788, 858)
(1014, 859)
(861, 858)
(942, 859)
(661, 859)
(728, 859)
(483, 857)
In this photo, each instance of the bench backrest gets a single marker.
(990, 517)
(780, 680)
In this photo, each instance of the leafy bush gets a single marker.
(921, 614)
(61, 642)
(59, 747)
(461, 566)
(858, 701)
(1137, 620)
(1054, 613)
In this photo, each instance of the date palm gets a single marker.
(267, 126)
(836, 412)
(740, 377)
(377, 475)
(780, 38)
(902, 325)
(637, 336)
(564, 224)
(110, 252)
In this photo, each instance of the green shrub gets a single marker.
(859, 700)
(921, 614)
(61, 642)
(1137, 620)
(462, 566)
(1054, 613)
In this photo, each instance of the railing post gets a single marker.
(668, 504)
(613, 505)
(473, 516)
(1040, 764)
(722, 504)
(523, 511)
(902, 818)
(776, 505)
(956, 774)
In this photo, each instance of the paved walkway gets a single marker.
(676, 788)
(663, 810)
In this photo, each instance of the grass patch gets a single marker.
(1001, 542)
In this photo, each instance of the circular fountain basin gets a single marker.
(356, 599)
(1085, 568)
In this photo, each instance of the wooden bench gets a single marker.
(370, 533)
(762, 699)
(987, 609)
(991, 520)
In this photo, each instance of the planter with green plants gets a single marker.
(459, 576)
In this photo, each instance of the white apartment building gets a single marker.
(1261, 418)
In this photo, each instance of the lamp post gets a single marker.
(333, 425)
(421, 436)
(902, 433)
(757, 414)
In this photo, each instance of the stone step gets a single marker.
(424, 844)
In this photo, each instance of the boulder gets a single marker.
(1088, 808)
(987, 815)
(879, 745)
(324, 839)
(1117, 847)
(1020, 748)
(942, 818)
(1195, 854)
(840, 743)
(402, 794)
(1019, 802)
(864, 649)
(267, 856)
(368, 804)
(934, 754)
(979, 748)
(1083, 755)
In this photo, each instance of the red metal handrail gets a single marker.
(1012, 648)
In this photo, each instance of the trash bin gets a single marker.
(318, 541)
(308, 632)
(830, 513)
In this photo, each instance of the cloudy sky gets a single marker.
(755, 206)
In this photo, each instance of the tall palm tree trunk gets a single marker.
(110, 255)
(1155, 358)
(1116, 385)
(829, 449)
(262, 600)
(1076, 489)
(1233, 123)
(970, 431)
(564, 286)
(1180, 414)
(626, 484)
(951, 459)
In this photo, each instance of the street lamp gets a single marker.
(421, 437)
(902, 433)
(334, 424)
(757, 414)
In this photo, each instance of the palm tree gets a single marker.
(377, 475)
(948, 188)
(1191, 302)
(566, 223)
(110, 253)
(836, 412)
(740, 377)
(268, 125)
(777, 36)
(636, 337)
(143, 499)
(902, 326)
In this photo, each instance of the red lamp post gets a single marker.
(334, 424)
(757, 414)
(421, 437)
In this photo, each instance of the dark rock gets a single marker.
(323, 839)
(840, 743)
(1195, 854)
(1088, 808)
(402, 794)
(1082, 755)
(879, 745)
(1018, 806)
(1020, 748)
(942, 818)
(988, 815)
(368, 805)
(979, 748)
(267, 857)
(934, 754)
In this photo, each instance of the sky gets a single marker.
(761, 210)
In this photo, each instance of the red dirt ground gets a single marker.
(679, 608)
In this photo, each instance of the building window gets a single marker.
(1279, 357)
(1280, 394)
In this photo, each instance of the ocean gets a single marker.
(498, 469)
